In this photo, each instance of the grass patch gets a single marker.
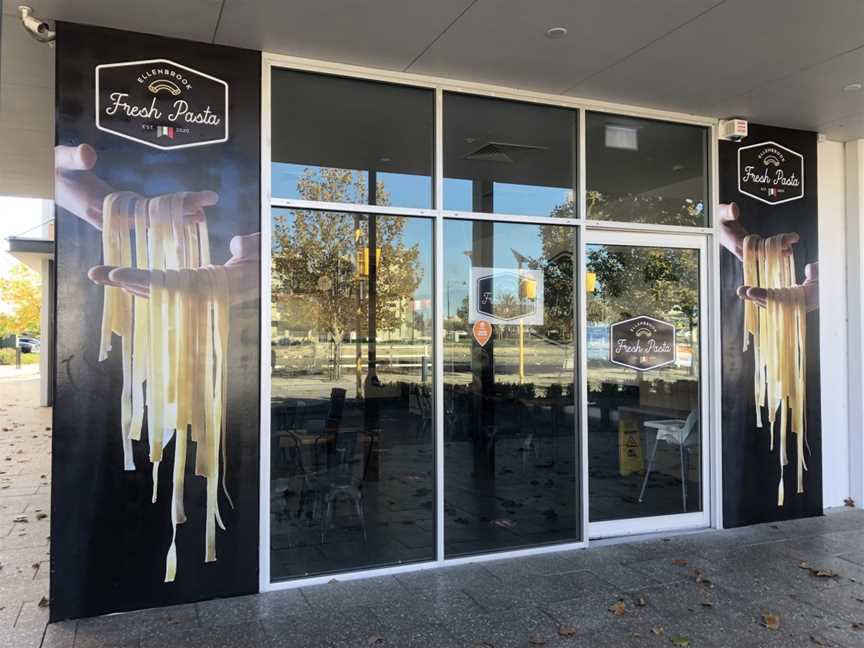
(7, 357)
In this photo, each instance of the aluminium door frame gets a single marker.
(585, 229)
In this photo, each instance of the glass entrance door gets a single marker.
(645, 387)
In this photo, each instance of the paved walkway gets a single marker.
(25, 467)
(787, 585)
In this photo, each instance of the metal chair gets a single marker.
(339, 481)
(286, 422)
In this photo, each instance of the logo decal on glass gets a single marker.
(771, 173)
(161, 103)
(482, 331)
(642, 343)
(501, 296)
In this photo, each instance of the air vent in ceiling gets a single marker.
(502, 152)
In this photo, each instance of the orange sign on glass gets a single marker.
(482, 331)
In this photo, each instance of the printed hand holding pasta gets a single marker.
(174, 346)
(779, 332)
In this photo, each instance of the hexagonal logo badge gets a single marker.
(642, 343)
(504, 296)
(770, 172)
(162, 104)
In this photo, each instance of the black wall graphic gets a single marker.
(108, 541)
(751, 470)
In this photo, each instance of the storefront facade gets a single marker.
(377, 322)
(505, 180)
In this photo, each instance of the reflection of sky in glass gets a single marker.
(508, 198)
(407, 190)
(415, 191)
(403, 189)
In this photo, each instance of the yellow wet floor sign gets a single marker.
(629, 447)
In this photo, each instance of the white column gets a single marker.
(832, 323)
(855, 278)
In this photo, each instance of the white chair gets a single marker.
(675, 432)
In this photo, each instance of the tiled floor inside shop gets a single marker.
(780, 585)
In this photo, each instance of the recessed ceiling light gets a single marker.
(556, 32)
(854, 87)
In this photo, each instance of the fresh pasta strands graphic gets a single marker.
(175, 348)
(779, 337)
(117, 308)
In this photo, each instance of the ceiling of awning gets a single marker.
(783, 62)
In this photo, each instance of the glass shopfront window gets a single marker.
(351, 141)
(427, 397)
(646, 171)
(510, 461)
(352, 436)
(508, 157)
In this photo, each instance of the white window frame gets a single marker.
(711, 514)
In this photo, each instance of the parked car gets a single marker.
(28, 344)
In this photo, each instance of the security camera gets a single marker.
(38, 29)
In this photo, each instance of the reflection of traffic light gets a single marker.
(590, 281)
(363, 261)
(527, 288)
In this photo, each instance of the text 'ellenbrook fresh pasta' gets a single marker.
(779, 332)
(174, 346)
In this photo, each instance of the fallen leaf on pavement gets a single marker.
(680, 640)
(818, 572)
(567, 632)
(374, 640)
(679, 562)
(771, 621)
(537, 641)
(641, 601)
(657, 630)
(43, 602)
(823, 573)
(618, 609)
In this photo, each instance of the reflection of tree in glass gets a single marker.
(506, 305)
(642, 208)
(557, 265)
(318, 260)
(632, 281)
